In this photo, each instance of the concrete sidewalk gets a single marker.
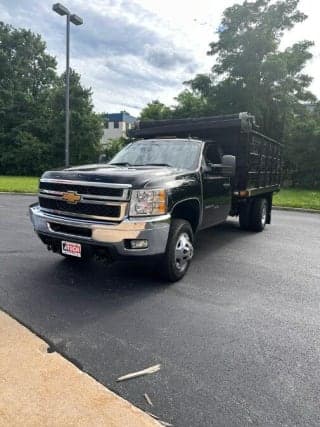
(38, 388)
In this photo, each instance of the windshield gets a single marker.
(183, 154)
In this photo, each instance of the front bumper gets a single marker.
(109, 235)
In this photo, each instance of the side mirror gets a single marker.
(228, 165)
(102, 158)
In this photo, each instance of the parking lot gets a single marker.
(238, 338)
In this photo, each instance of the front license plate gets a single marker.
(70, 248)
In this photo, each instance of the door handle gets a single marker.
(226, 185)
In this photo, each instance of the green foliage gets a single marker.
(251, 73)
(114, 146)
(26, 75)
(26, 155)
(190, 104)
(303, 149)
(155, 111)
(85, 125)
(32, 108)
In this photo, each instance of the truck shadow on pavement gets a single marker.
(213, 240)
(139, 275)
(56, 288)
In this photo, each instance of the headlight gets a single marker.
(148, 202)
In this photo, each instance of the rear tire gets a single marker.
(259, 213)
(244, 216)
(179, 251)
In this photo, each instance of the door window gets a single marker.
(212, 154)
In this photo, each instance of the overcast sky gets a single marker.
(134, 51)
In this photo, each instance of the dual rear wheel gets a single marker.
(253, 216)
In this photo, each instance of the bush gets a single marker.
(26, 156)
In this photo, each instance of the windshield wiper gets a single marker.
(121, 164)
(155, 164)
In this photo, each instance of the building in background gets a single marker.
(116, 125)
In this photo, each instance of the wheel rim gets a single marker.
(264, 215)
(183, 251)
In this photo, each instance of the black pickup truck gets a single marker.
(175, 178)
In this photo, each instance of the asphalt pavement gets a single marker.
(238, 338)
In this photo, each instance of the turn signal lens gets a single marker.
(161, 202)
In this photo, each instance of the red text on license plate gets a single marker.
(70, 248)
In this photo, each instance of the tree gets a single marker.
(114, 146)
(32, 108)
(191, 104)
(28, 157)
(303, 148)
(86, 127)
(27, 73)
(250, 72)
(155, 111)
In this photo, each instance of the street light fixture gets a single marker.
(60, 9)
(76, 20)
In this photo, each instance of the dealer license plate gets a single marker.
(70, 248)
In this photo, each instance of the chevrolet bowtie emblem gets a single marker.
(71, 197)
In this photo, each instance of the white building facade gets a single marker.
(116, 125)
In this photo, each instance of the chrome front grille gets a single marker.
(84, 199)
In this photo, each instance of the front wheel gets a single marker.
(253, 215)
(179, 250)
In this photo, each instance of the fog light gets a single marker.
(139, 244)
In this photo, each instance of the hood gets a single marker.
(137, 176)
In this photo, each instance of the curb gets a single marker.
(49, 389)
(285, 208)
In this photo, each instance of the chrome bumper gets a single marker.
(154, 229)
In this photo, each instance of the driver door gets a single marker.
(216, 188)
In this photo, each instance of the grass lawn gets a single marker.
(19, 184)
(298, 198)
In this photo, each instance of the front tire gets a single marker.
(179, 251)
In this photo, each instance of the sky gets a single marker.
(131, 52)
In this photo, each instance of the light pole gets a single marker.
(76, 20)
